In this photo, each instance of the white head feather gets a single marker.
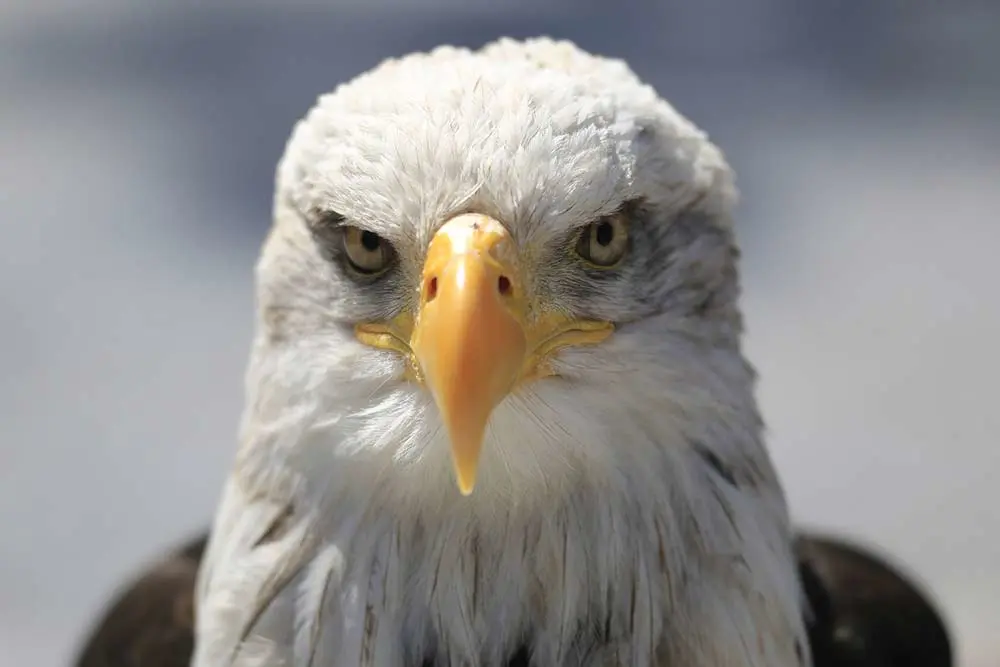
(627, 512)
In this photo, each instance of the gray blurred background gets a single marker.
(137, 148)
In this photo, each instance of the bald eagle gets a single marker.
(497, 408)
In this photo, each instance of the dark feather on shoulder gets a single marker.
(151, 622)
(867, 613)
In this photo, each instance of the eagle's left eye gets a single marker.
(603, 243)
(367, 252)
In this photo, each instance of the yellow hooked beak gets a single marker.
(476, 336)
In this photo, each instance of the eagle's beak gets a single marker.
(477, 332)
(470, 335)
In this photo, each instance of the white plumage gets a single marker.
(626, 510)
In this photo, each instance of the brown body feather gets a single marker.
(151, 623)
(867, 613)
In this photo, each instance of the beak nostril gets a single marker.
(432, 289)
(503, 285)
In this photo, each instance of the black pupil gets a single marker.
(370, 241)
(605, 233)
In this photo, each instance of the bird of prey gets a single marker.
(497, 408)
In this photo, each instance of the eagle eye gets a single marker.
(603, 243)
(368, 253)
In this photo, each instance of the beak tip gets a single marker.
(466, 484)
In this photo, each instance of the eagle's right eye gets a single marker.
(368, 253)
